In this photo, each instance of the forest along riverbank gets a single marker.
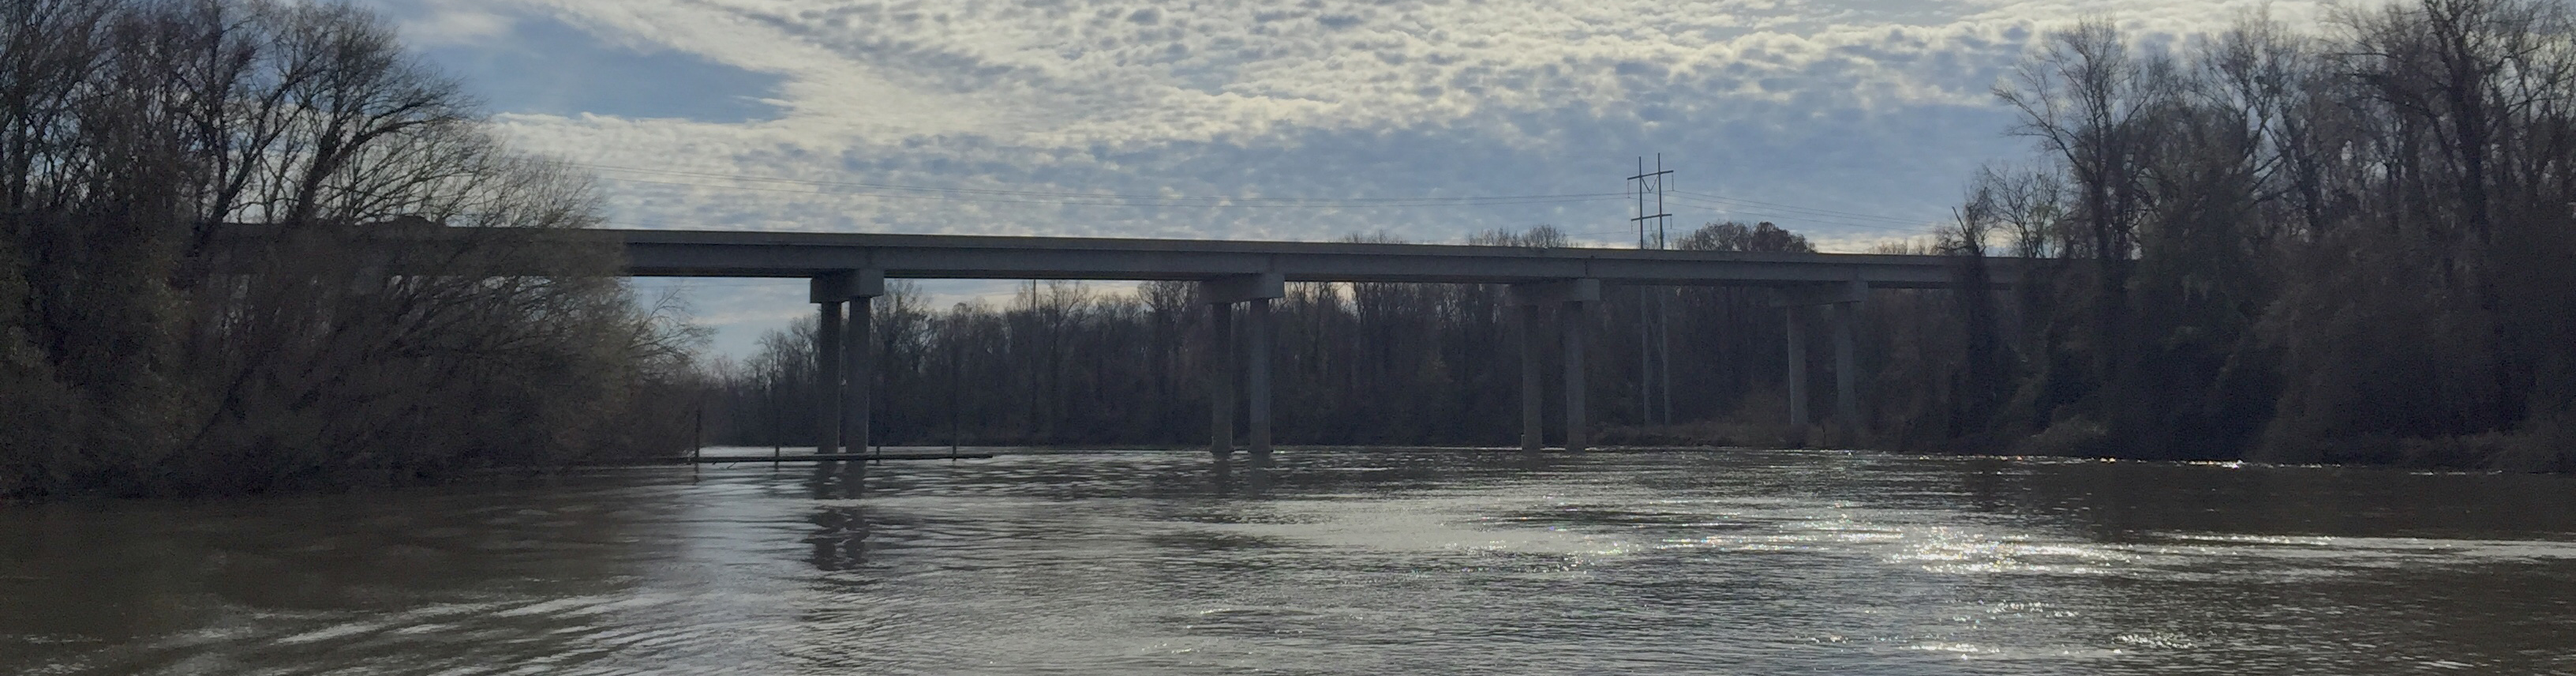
(1344, 561)
(2295, 242)
(145, 353)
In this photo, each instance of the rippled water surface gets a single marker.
(1335, 562)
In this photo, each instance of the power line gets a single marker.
(1716, 203)
(1217, 203)
(1737, 209)
(1821, 212)
(667, 225)
(1095, 199)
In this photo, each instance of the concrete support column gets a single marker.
(1220, 383)
(1576, 324)
(827, 379)
(844, 367)
(1533, 430)
(1846, 400)
(1256, 380)
(1797, 366)
(1845, 297)
(1221, 294)
(858, 353)
(1571, 296)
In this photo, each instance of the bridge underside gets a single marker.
(847, 272)
(679, 253)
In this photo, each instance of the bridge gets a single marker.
(847, 272)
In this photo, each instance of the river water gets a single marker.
(1335, 562)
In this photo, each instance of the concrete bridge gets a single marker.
(848, 271)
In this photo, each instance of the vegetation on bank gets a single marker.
(2348, 243)
(141, 354)
(2345, 243)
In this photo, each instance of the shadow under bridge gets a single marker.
(848, 271)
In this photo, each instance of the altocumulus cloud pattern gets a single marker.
(1852, 121)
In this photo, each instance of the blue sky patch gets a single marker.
(547, 66)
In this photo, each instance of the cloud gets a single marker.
(435, 23)
(1854, 120)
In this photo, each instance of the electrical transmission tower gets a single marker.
(1654, 345)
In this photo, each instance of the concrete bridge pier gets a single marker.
(1845, 299)
(1221, 294)
(1574, 296)
(1256, 379)
(1846, 397)
(827, 375)
(1797, 366)
(845, 364)
(1577, 428)
(1533, 428)
(1220, 380)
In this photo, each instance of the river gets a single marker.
(1336, 562)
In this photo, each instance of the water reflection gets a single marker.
(836, 480)
(1254, 476)
(1332, 561)
(840, 534)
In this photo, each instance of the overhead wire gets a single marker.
(1089, 199)
(1707, 201)
(1788, 207)
(1792, 217)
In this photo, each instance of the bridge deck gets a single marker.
(705, 253)
(722, 253)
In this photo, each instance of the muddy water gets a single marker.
(1336, 562)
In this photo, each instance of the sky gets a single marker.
(1854, 122)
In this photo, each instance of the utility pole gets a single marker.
(1654, 361)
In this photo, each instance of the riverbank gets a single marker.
(2545, 448)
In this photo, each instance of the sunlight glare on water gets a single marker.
(1336, 562)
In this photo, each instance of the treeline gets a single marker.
(143, 351)
(2345, 243)
(1368, 363)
